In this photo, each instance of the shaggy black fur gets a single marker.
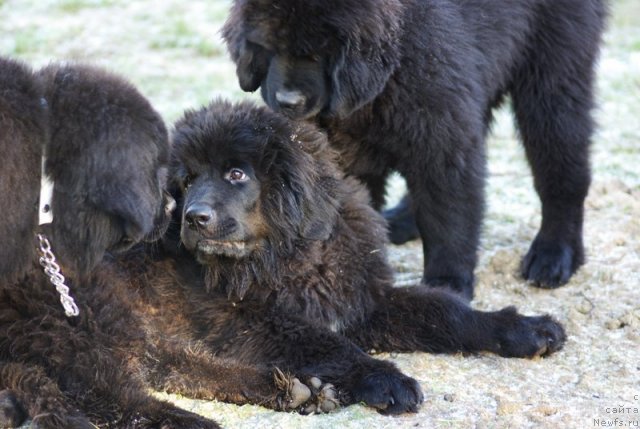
(108, 153)
(292, 269)
(409, 85)
(23, 132)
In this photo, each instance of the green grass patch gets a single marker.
(180, 35)
(73, 6)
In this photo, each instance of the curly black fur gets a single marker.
(107, 151)
(410, 85)
(290, 264)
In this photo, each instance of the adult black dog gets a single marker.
(93, 360)
(409, 85)
(295, 272)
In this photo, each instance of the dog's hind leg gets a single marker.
(124, 405)
(29, 393)
(12, 413)
(194, 372)
(424, 319)
(552, 98)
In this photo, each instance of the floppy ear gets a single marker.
(320, 210)
(300, 195)
(366, 60)
(359, 74)
(315, 183)
(252, 60)
(80, 232)
(252, 64)
(133, 207)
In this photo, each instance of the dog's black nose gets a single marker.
(290, 99)
(199, 216)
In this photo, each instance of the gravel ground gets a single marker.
(172, 51)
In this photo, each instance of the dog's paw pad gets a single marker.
(324, 398)
(293, 393)
(299, 394)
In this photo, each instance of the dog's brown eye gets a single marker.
(236, 175)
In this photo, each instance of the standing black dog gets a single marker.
(409, 85)
(291, 266)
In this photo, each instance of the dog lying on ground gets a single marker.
(281, 261)
(93, 360)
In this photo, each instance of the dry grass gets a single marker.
(172, 51)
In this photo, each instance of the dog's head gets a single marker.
(108, 156)
(253, 183)
(313, 57)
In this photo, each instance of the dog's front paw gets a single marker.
(391, 392)
(524, 336)
(550, 264)
(401, 222)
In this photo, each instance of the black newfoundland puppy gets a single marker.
(92, 361)
(409, 86)
(290, 267)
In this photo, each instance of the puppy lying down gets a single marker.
(279, 260)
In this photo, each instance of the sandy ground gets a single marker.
(171, 50)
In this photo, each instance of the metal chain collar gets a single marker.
(52, 270)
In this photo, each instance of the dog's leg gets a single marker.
(12, 413)
(28, 388)
(446, 190)
(31, 394)
(311, 352)
(401, 221)
(552, 98)
(194, 372)
(424, 319)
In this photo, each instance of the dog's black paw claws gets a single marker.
(390, 393)
(550, 265)
(528, 337)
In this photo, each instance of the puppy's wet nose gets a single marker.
(199, 216)
(290, 99)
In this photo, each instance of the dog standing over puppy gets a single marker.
(409, 85)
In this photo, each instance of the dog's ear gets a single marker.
(132, 207)
(315, 182)
(252, 60)
(365, 62)
(320, 210)
(86, 225)
(252, 64)
(299, 198)
(80, 232)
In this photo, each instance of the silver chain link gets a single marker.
(52, 270)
